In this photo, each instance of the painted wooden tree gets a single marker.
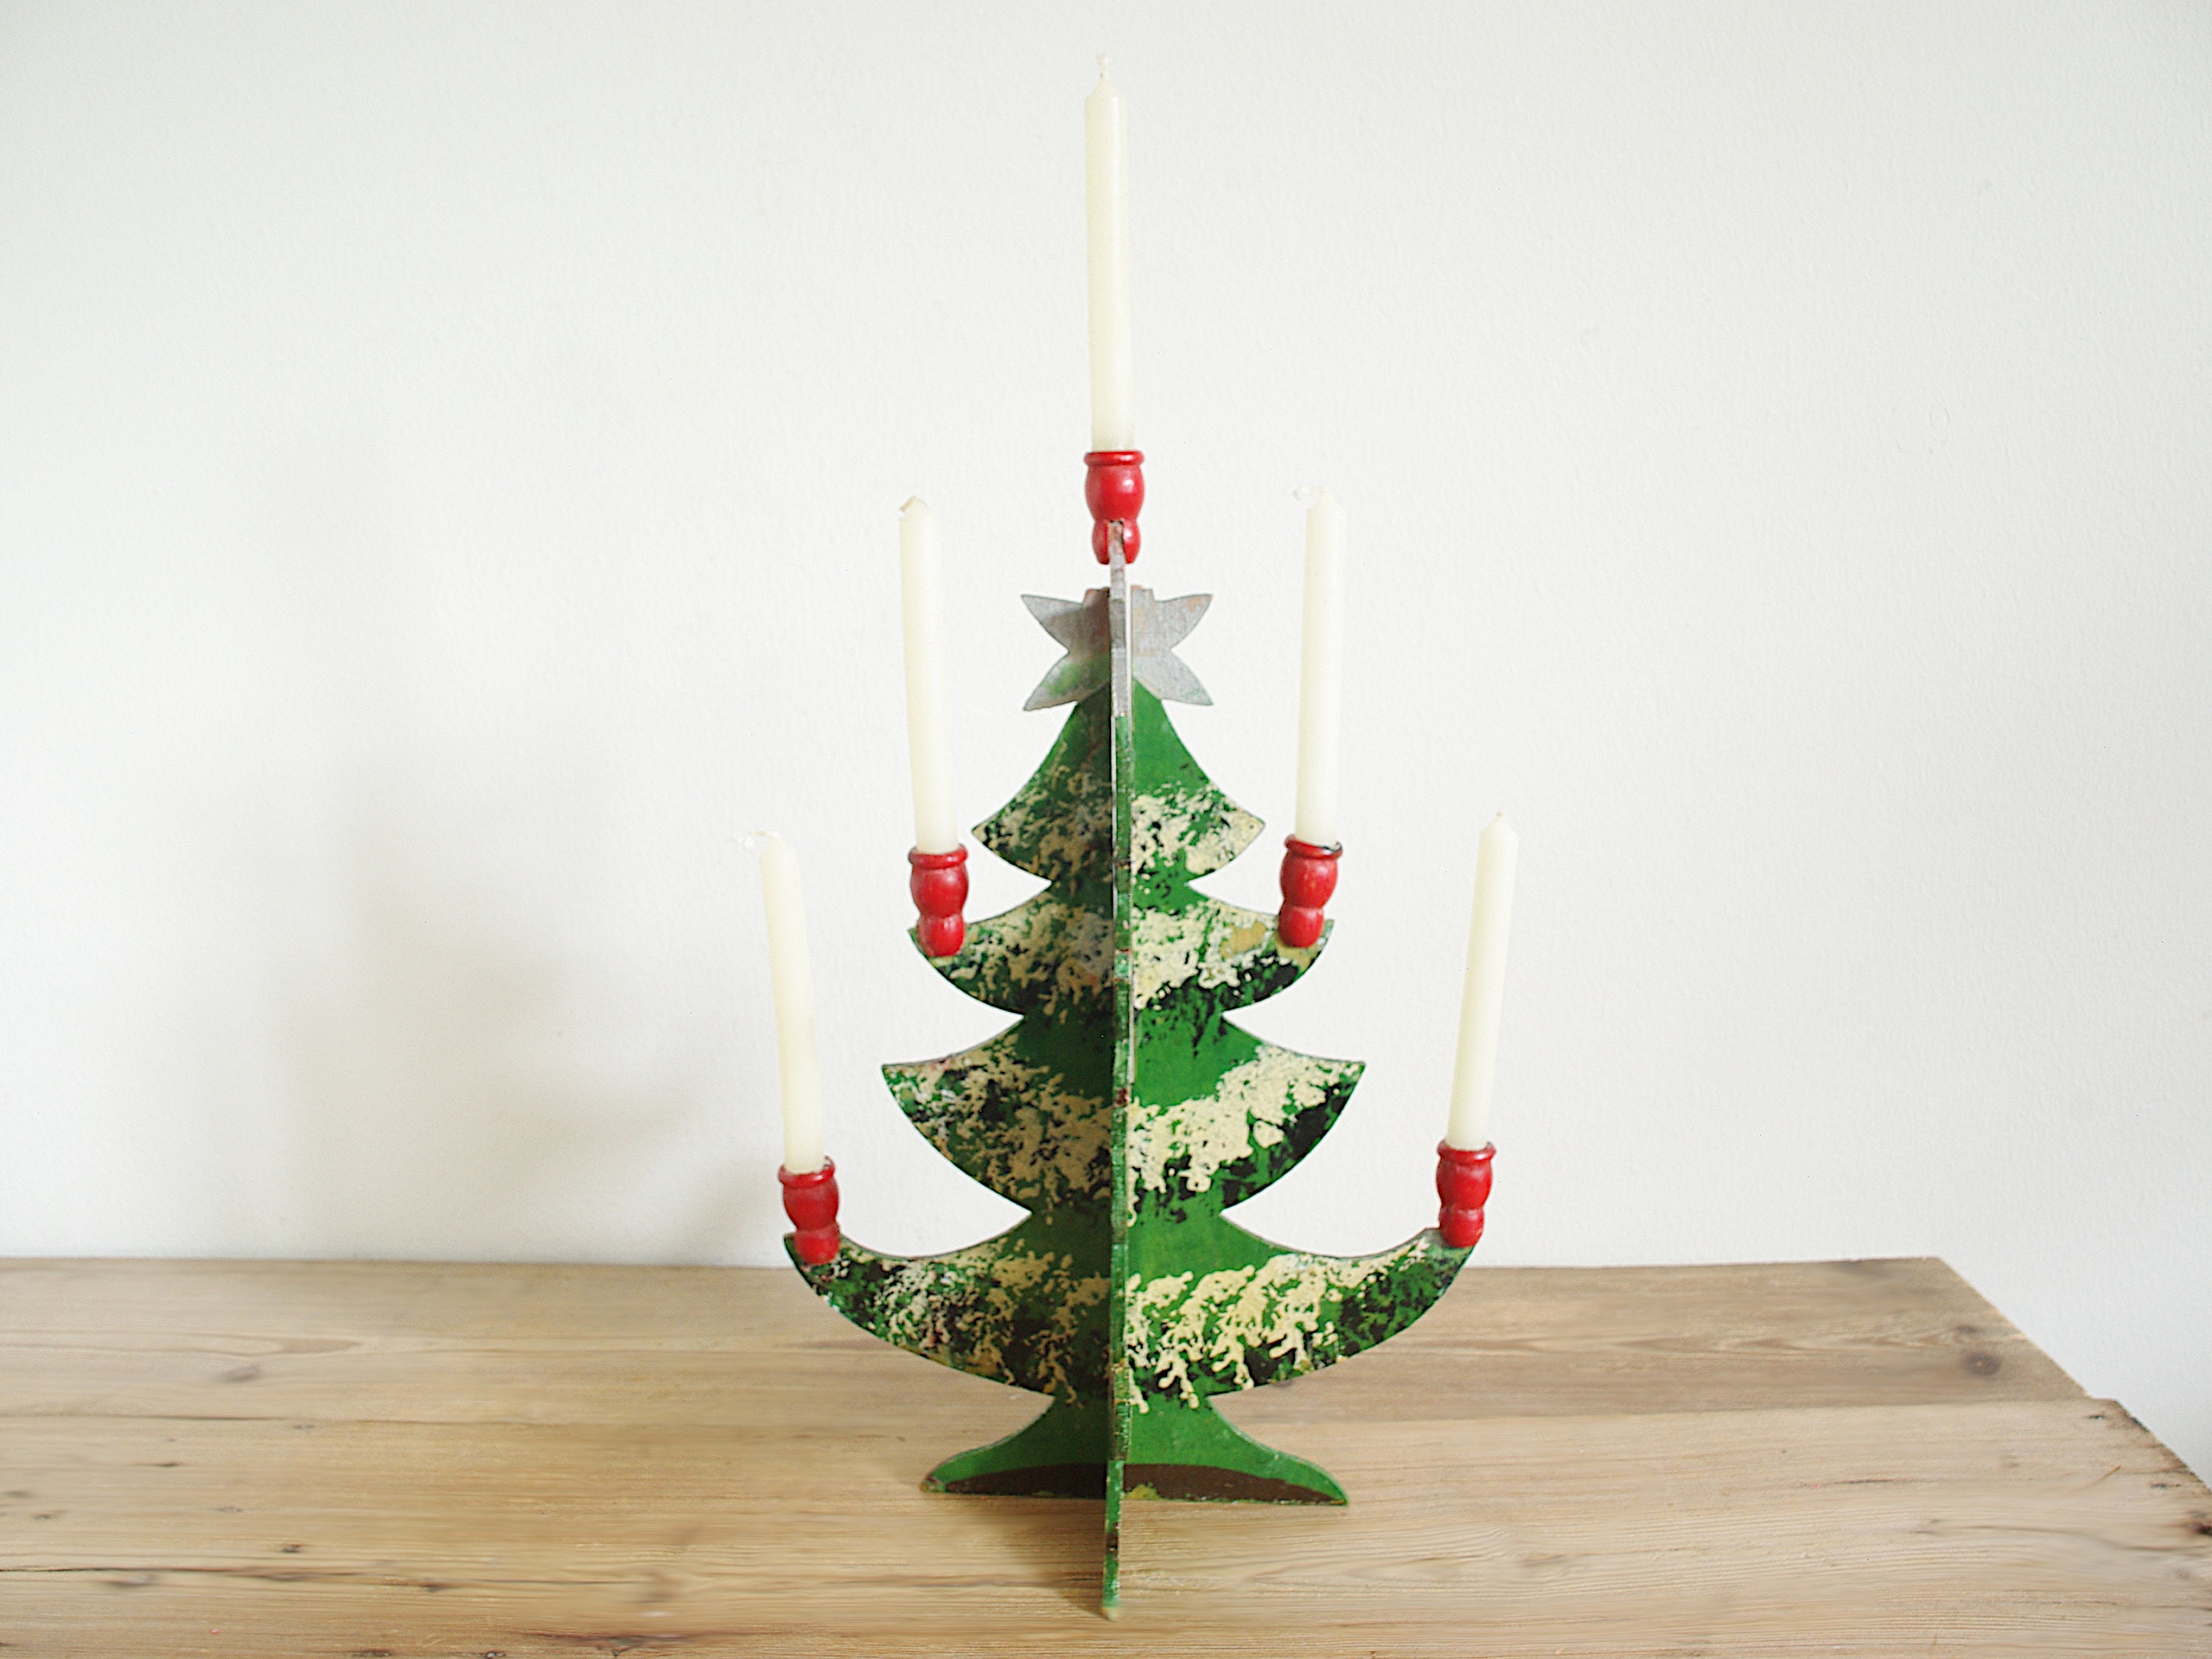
(1126, 1113)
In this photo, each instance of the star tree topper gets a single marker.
(1156, 628)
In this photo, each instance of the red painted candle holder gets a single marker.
(1115, 491)
(1308, 880)
(1463, 1185)
(810, 1201)
(939, 882)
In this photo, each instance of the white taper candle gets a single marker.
(1485, 988)
(1321, 672)
(794, 1006)
(1113, 426)
(920, 588)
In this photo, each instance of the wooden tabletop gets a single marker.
(367, 1459)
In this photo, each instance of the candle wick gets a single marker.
(1306, 495)
(1102, 66)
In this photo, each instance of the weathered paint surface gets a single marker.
(1262, 1114)
(1024, 1114)
(1012, 1309)
(1215, 1116)
(1132, 1170)
(1029, 1113)
(1196, 1332)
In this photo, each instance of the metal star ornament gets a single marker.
(1156, 628)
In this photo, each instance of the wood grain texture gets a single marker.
(269, 1458)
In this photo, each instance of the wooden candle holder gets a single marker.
(1126, 1113)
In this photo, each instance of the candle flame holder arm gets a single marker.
(937, 884)
(1114, 490)
(1308, 881)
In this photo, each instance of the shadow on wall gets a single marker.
(438, 1035)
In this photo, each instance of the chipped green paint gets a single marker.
(1026, 1121)
(1125, 1112)
(1024, 1308)
(1215, 1116)
(1029, 1113)
(1194, 1333)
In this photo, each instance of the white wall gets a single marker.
(449, 461)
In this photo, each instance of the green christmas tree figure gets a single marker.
(1126, 1113)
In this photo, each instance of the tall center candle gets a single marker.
(920, 588)
(794, 1006)
(1113, 426)
(1321, 672)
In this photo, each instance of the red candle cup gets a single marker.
(1308, 880)
(1114, 492)
(810, 1201)
(1463, 1185)
(939, 882)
